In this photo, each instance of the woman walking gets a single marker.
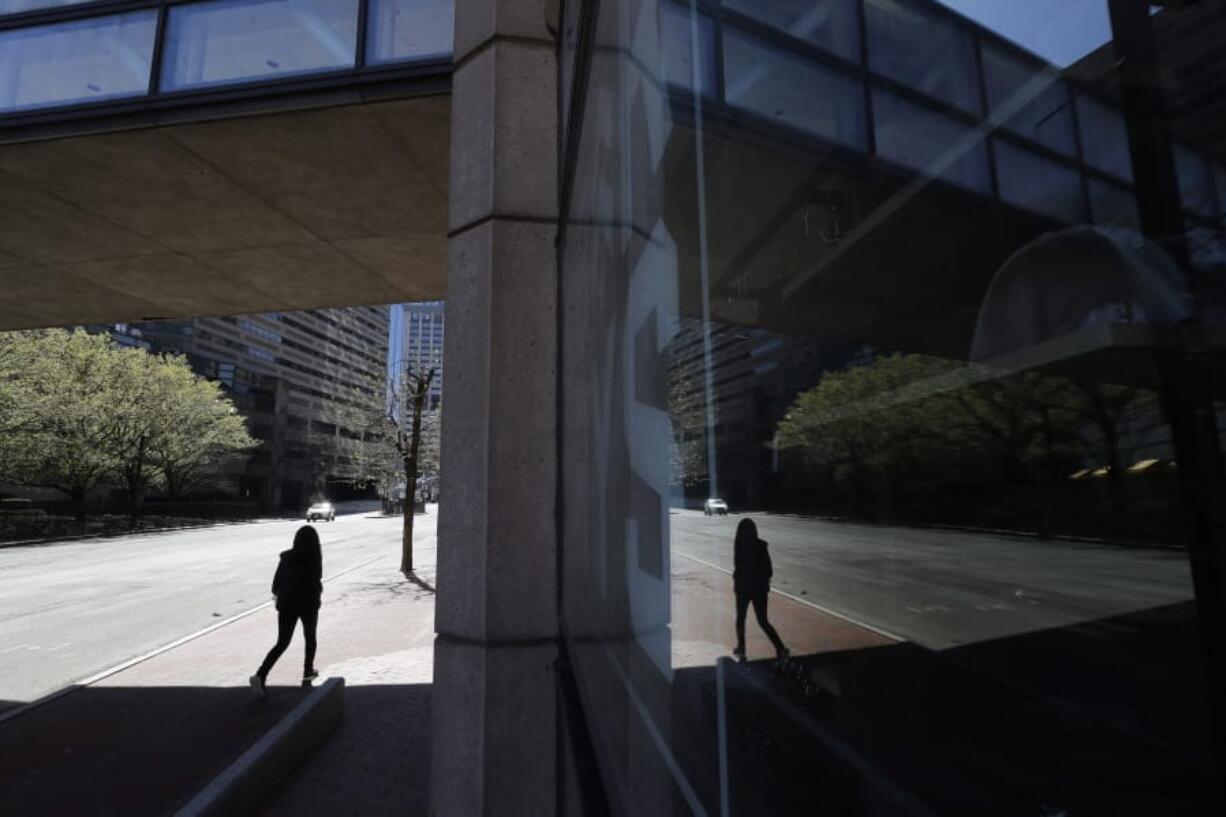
(298, 585)
(751, 581)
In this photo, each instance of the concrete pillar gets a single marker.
(494, 703)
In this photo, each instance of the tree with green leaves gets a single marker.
(868, 421)
(68, 382)
(81, 413)
(200, 429)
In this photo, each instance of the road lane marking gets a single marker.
(14, 649)
(98, 676)
(826, 610)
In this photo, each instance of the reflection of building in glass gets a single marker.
(757, 375)
(293, 375)
(423, 343)
(948, 279)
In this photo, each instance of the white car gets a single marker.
(715, 506)
(321, 510)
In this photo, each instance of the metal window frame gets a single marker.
(154, 100)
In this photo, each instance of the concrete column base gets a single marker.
(493, 734)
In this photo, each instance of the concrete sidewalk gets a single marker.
(144, 740)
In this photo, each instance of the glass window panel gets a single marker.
(80, 61)
(676, 48)
(833, 25)
(17, 6)
(1031, 99)
(241, 40)
(755, 333)
(399, 30)
(1104, 138)
(787, 89)
(1112, 205)
(926, 141)
(1195, 181)
(1030, 181)
(922, 50)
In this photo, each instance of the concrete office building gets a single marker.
(580, 180)
(423, 344)
(293, 375)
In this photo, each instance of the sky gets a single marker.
(1059, 31)
(395, 341)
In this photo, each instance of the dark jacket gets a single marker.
(296, 585)
(752, 570)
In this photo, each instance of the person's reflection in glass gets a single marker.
(751, 582)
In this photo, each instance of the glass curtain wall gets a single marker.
(893, 404)
(207, 44)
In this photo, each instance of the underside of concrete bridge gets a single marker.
(326, 207)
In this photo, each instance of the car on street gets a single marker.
(713, 507)
(321, 511)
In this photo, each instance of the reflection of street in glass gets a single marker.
(943, 588)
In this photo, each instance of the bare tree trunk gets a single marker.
(410, 499)
(78, 497)
(410, 475)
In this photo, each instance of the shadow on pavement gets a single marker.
(1105, 718)
(148, 750)
(376, 763)
(419, 581)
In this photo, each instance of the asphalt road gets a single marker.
(70, 610)
(943, 588)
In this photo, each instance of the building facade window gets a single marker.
(679, 66)
(227, 41)
(790, 91)
(1030, 98)
(56, 55)
(409, 29)
(926, 141)
(922, 332)
(925, 51)
(831, 26)
(89, 60)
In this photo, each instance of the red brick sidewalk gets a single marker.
(704, 618)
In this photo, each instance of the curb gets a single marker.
(241, 786)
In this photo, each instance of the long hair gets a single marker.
(306, 548)
(743, 549)
(746, 533)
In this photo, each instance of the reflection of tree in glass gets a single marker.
(909, 424)
(687, 453)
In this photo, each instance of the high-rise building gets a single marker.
(423, 343)
(295, 376)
